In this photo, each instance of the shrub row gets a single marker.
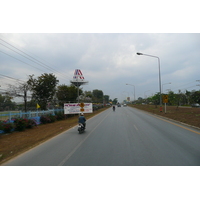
(51, 118)
(18, 124)
(21, 124)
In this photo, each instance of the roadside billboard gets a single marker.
(75, 108)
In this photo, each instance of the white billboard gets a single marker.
(75, 108)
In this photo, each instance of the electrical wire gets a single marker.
(11, 78)
(181, 87)
(21, 60)
(36, 61)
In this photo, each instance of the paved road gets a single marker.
(126, 137)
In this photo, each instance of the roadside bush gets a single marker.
(52, 118)
(60, 115)
(97, 106)
(45, 119)
(20, 124)
(8, 127)
(31, 123)
(1, 125)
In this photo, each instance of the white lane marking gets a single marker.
(75, 149)
(135, 127)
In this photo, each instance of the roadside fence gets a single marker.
(30, 114)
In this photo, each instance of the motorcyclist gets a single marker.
(113, 108)
(82, 120)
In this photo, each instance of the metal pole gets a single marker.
(134, 89)
(78, 98)
(160, 85)
(159, 76)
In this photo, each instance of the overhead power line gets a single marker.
(32, 58)
(37, 62)
(11, 78)
(184, 86)
(21, 60)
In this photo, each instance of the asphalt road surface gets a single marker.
(126, 137)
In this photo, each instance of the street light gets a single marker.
(142, 54)
(134, 89)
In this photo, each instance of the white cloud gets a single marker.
(108, 61)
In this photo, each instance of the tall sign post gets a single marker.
(78, 80)
(165, 100)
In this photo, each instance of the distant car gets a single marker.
(125, 105)
(195, 105)
(119, 105)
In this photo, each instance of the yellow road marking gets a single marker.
(170, 122)
(178, 125)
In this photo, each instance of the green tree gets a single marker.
(180, 98)
(188, 96)
(114, 101)
(86, 97)
(88, 94)
(67, 94)
(6, 103)
(43, 88)
(172, 98)
(156, 99)
(20, 90)
(195, 97)
(97, 96)
(106, 98)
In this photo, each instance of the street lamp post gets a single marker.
(134, 90)
(142, 54)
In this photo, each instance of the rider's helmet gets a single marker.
(81, 114)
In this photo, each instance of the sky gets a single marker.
(108, 61)
(102, 40)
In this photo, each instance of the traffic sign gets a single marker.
(82, 105)
(82, 109)
(165, 98)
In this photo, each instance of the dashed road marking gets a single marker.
(135, 127)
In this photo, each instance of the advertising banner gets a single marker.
(75, 108)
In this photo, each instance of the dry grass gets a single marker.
(190, 116)
(17, 142)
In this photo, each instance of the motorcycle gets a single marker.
(81, 128)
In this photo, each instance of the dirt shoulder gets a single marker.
(187, 115)
(16, 143)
